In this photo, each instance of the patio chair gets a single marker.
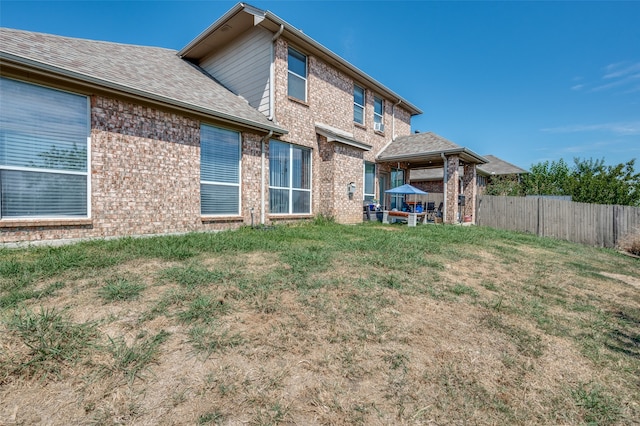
(431, 209)
(439, 212)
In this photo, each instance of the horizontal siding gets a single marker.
(243, 67)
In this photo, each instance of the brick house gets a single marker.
(252, 122)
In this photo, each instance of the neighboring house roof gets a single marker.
(497, 166)
(425, 148)
(494, 167)
(243, 16)
(154, 74)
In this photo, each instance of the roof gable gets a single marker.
(156, 74)
(243, 16)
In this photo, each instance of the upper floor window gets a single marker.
(358, 104)
(378, 114)
(220, 160)
(289, 179)
(369, 181)
(44, 144)
(297, 83)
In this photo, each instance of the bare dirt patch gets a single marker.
(627, 279)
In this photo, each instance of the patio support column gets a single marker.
(451, 197)
(470, 190)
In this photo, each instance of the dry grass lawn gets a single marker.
(320, 325)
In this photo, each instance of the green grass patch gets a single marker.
(133, 359)
(119, 289)
(52, 341)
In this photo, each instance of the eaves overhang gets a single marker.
(335, 135)
(9, 61)
(426, 157)
(234, 23)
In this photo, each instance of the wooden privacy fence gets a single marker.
(593, 224)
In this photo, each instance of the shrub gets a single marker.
(631, 242)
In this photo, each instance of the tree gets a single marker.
(547, 179)
(588, 181)
(504, 185)
(594, 182)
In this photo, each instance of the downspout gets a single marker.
(262, 176)
(445, 178)
(272, 74)
(393, 119)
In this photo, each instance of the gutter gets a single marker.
(393, 119)
(410, 157)
(74, 77)
(262, 176)
(272, 75)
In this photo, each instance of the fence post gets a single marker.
(615, 225)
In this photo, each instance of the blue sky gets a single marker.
(525, 81)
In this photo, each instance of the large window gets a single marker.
(219, 171)
(378, 114)
(358, 104)
(297, 84)
(369, 181)
(289, 179)
(44, 143)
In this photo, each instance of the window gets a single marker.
(378, 114)
(220, 160)
(44, 143)
(297, 75)
(289, 179)
(397, 179)
(358, 104)
(369, 181)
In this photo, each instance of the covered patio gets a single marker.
(429, 150)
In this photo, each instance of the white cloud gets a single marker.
(577, 87)
(621, 69)
(625, 75)
(620, 129)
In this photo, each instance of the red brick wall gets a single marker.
(330, 101)
(145, 178)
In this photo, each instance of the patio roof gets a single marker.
(426, 149)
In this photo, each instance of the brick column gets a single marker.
(451, 197)
(470, 190)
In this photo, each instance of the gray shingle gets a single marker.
(418, 143)
(153, 71)
(497, 166)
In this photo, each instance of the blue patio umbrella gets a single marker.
(406, 189)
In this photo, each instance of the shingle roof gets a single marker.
(422, 146)
(498, 166)
(152, 72)
(418, 143)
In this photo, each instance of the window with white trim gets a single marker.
(220, 161)
(369, 181)
(289, 178)
(297, 76)
(378, 114)
(358, 104)
(44, 159)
